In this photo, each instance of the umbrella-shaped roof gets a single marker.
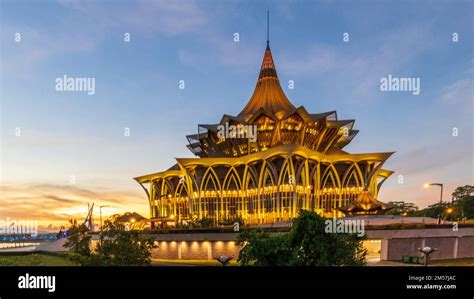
(365, 203)
(268, 93)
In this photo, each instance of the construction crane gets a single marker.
(88, 221)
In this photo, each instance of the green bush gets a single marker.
(306, 244)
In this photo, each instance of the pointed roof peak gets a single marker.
(268, 66)
(268, 93)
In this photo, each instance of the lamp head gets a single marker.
(426, 249)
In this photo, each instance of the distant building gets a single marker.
(130, 220)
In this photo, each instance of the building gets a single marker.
(267, 163)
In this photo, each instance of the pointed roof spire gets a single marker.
(268, 28)
(268, 93)
(268, 66)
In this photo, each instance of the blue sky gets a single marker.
(64, 134)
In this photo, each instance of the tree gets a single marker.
(402, 208)
(463, 202)
(259, 249)
(462, 192)
(307, 244)
(461, 207)
(78, 241)
(117, 246)
(312, 246)
(120, 247)
(434, 211)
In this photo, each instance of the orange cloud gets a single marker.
(54, 205)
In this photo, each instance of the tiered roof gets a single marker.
(279, 122)
(365, 203)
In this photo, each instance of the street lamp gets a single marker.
(449, 211)
(437, 184)
(426, 253)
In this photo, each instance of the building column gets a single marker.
(384, 249)
(456, 245)
(209, 250)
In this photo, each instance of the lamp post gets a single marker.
(426, 253)
(437, 184)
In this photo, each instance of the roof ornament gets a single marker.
(268, 27)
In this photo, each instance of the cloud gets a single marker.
(221, 50)
(36, 45)
(414, 192)
(169, 17)
(460, 93)
(359, 68)
(441, 161)
(86, 24)
(56, 204)
(431, 157)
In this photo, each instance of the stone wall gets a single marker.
(449, 243)
(394, 244)
(195, 250)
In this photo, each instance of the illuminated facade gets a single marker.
(295, 162)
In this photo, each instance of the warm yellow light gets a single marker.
(449, 210)
(426, 185)
(132, 220)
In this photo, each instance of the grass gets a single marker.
(468, 261)
(34, 260)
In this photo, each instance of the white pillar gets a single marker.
(384, 249)
(455, 251)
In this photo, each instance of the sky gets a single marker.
(72, 150)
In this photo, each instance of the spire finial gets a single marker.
(268, 27)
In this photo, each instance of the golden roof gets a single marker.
(284, 150)
(268, 94)
(365, 203)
